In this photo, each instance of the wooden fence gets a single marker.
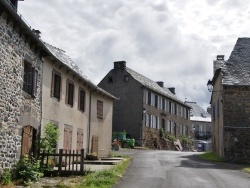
(63, 163)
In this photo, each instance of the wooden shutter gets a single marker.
(34, 83)
(52, 84)
(67, 141)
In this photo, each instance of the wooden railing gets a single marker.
(63, 163)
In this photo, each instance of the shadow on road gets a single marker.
(193, 161)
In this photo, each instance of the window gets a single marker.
(99, 109)
(157, 122)
(56, 85)
(147, 120)
(81, 100)
(163, 103)
(70, 93)
(126, 78)
(168, 126)
(30, 79)
(156, 101)
(152, 99)
(110, 79)
(170, 107)
(149, 98)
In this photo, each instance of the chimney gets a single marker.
(120, 65)
(172, 90)
(160, 83)
(15, 3)
(218, 62)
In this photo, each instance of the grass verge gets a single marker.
(105, 178)
(210, 156)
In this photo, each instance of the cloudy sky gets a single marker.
(173, 41)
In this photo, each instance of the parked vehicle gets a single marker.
(124, 139)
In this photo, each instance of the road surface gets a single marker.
(175, 169)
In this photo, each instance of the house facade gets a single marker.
(144, 106)
(79, 109)
(21, 53)
(201, 122)
(230, 104)
(28, 101)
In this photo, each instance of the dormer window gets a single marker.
(110, 79)
(126, 78)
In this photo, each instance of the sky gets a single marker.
(174, 41)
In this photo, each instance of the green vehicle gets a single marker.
(125, 139)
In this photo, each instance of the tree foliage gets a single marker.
(50, 137)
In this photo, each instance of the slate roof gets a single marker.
(148, 83)
(236, 70)
(61, 56)
(197, 113)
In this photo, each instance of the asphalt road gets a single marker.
(174, 169)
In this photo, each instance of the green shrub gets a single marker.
(6, 177)
(162, 133)
(28, 169)
(185, 139)
(50, 138)
(170, 137)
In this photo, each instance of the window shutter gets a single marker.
(34, 88)
(67, 92)
(52, 84)
(146, 97)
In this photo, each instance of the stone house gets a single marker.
(23, 79)
(21, 53)
(201, 122)
(230, 103)
(81, 110)
(144, 106)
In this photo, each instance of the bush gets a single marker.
(170, 137)
(51, 136)
(162, 133)
(28, 169)
(6, 177)
(186, 140)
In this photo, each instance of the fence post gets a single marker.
(60, 161)
(82, 161)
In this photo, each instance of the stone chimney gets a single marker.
(172, 90)
(218, 62)
(120, 65)
(160, 83)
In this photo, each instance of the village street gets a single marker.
(174, 169)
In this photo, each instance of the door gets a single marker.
(79, 144)
(27, 140)
(95, 144)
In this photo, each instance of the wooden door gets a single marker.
(94, 144)
(27, 136)
(79, 144)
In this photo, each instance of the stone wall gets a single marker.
(236, 113)
(17, 108)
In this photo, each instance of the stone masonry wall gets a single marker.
(236, 108)
(17, 108)
(150, 134)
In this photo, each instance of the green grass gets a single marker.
(210, 156)
(105, 178)
(246, 169)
